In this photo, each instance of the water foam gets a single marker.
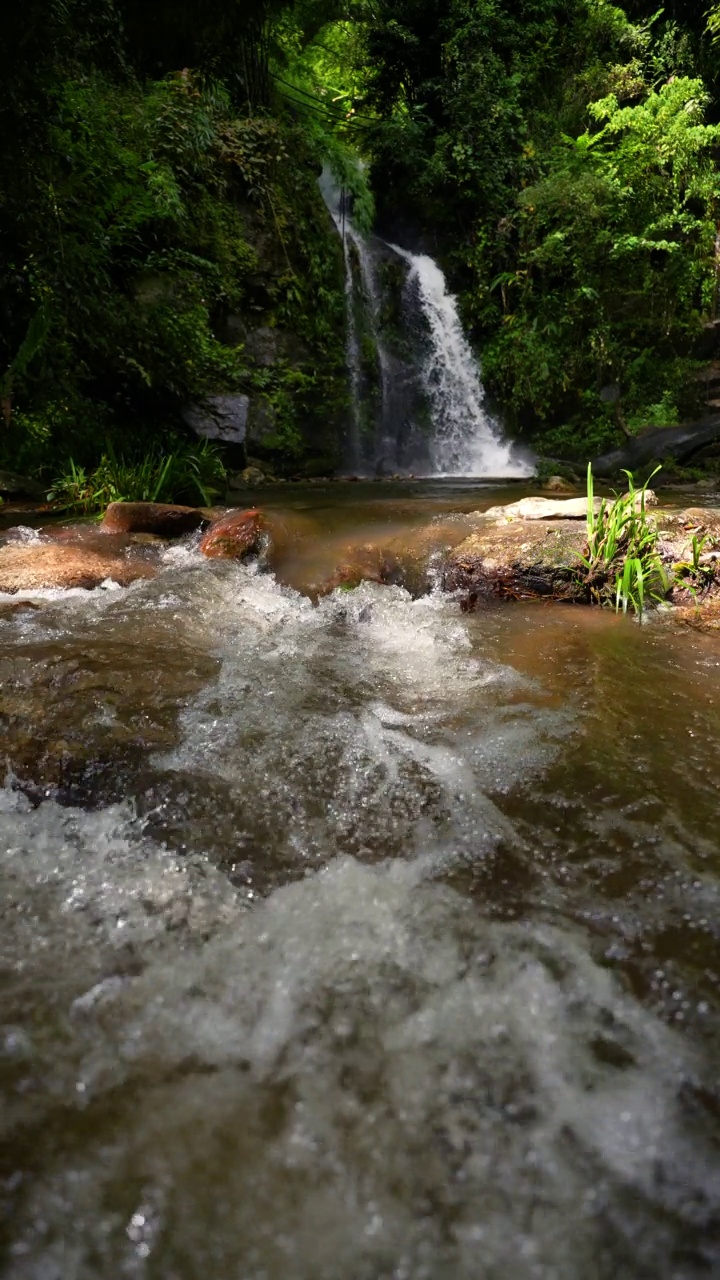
(362, 1076)
(466, 440)
(364, 1073)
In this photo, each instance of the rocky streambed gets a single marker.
(534, 548)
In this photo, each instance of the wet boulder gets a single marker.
(238, 535)
(519, 559)
(411, 559)
(361, 562)
(656, 444)
(558, 484)
(165, 519)
(46, 565)
(701, 615)
(414, 559)
(15, 486)
(248, 478)
(274, 537)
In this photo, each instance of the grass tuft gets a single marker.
(622, 545)
(190, 473)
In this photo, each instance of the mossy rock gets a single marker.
(520, 560)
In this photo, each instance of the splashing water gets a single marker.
(465, 441)
(376, 955)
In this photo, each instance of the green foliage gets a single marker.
(560, 152)
(622, 541)
(30, 347)
(697, 547)
(615, 258)
(586, 435)
(188, 473)
(150, 214)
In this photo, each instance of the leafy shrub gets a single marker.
(188, 473)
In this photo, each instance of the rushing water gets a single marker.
(427, 413)
(366, 940)
(465, 439)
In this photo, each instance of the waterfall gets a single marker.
(337, 204)
(421, 408)
(465, 440)
(386, 446)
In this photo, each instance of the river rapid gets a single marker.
(360, 939)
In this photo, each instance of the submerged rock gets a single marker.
(167, 520)
(412, 559)
(247, 478)
(558, 484)
(703, 615)
(47, 565)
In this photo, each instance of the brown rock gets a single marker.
(39, 565)
(542, 509)
(411, 559)
(363, 563)
(702, 615)
(249, 477)
(236, 536)
(152, 517)
(698, 520)
(520, 560)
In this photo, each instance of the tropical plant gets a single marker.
(189, 473)
(622, 549)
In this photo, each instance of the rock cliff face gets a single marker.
(292, 410)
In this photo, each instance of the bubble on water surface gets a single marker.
(335, 727)
(362, 1076)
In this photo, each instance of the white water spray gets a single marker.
(465, 439)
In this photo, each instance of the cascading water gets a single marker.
(336, 204)
(465, 440)
(422, 409)
(375, 412)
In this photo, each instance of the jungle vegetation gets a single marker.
(159, 210)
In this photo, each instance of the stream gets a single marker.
(360, 939)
